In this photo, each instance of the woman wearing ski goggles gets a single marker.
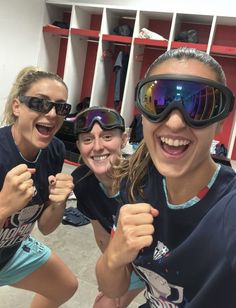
(201, 101)
(176, 227)
(101, 137)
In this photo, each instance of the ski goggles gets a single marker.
(201, 101)
(107, 119)
(43, 105)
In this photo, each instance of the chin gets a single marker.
(170, 170)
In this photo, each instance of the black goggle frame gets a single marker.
(107, 118)
(155, 115)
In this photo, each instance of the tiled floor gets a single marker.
(77, 247)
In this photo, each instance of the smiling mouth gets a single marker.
(44, 129)
(174, 146)
(100, 157)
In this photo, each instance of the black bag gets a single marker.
(189, 36)
(124, 30)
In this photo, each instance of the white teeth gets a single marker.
(100, 157)
(174, 142)
(45, 125)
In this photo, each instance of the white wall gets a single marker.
(211, 7)
(20, 35)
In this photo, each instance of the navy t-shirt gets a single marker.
(192, 260)
(92, 200)
(19, 225)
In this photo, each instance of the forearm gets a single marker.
(3, 216)
(51, 217)
(5, 211)
(112, 281)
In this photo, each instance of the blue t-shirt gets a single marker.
(19, 225)
(192, 260)
(92, 200)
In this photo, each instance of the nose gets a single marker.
(175, 120)
(98, 144)
(52, 112)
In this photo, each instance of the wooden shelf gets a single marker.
(223, 50)
(93, 34)
(202, 47)
(117, 38)
(56, 30)
(150, 42)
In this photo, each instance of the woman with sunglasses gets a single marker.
(33, 187)
(101, 137)
(177, 225)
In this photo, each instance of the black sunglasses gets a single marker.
(201, 101)
(107, 119)
(44, 106)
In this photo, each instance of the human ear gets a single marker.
(16, 107)
(77, 144)
(124, 138)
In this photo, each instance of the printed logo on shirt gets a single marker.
(18, 226)
(159, 292)
(160, 251)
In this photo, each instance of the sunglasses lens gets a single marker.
(38, 104)
(44, 106)
(107, 119)
(62, 109)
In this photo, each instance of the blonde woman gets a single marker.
(33, 189)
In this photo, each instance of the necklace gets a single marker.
(21, 155)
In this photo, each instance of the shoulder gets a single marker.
(5, 131)
(80, 171)
(226, 180)
(56, 148)
(85, 182)
(8, 148)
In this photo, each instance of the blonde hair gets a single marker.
(24, 79)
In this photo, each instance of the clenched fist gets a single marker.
(17, 190)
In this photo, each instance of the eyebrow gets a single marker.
(43, 96)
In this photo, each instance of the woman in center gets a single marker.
(101, 137)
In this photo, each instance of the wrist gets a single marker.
(3, 216)
(56, 205)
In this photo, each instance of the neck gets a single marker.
(23, 147)
(106, 181)
(189, 186)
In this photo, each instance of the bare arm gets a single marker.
(102, 237)
(60, 187)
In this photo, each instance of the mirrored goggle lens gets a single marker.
(199, 100)
(106, 118)
(44, 106)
